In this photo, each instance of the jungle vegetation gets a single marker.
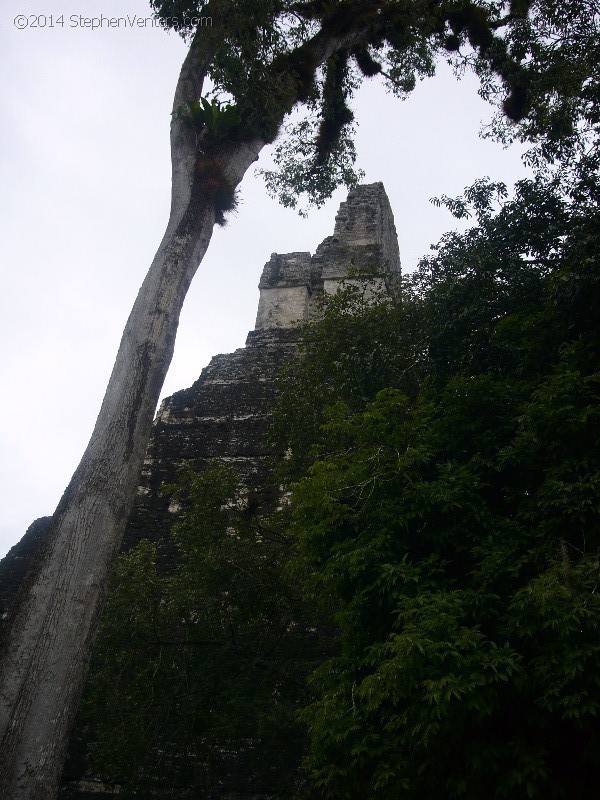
(422, 621)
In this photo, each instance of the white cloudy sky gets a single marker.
(84, 191)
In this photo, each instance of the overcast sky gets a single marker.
(84, 181)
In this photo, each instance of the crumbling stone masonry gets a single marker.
(225, 413)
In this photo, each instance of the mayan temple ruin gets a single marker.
(225, 414)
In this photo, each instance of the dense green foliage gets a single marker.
(443, 457)
(195, 664)
(450, 520)
(292, 68)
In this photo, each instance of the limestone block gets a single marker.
(282, 307)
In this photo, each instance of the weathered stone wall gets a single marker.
(364, 236)
(224, 415)
(364, 239)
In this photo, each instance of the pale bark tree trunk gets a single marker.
(48, 644)
(49, 640)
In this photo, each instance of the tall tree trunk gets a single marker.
(49, 641)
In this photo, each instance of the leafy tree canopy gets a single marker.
(536, 59)
(448, 522)
(444, 467)
(442, 455)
